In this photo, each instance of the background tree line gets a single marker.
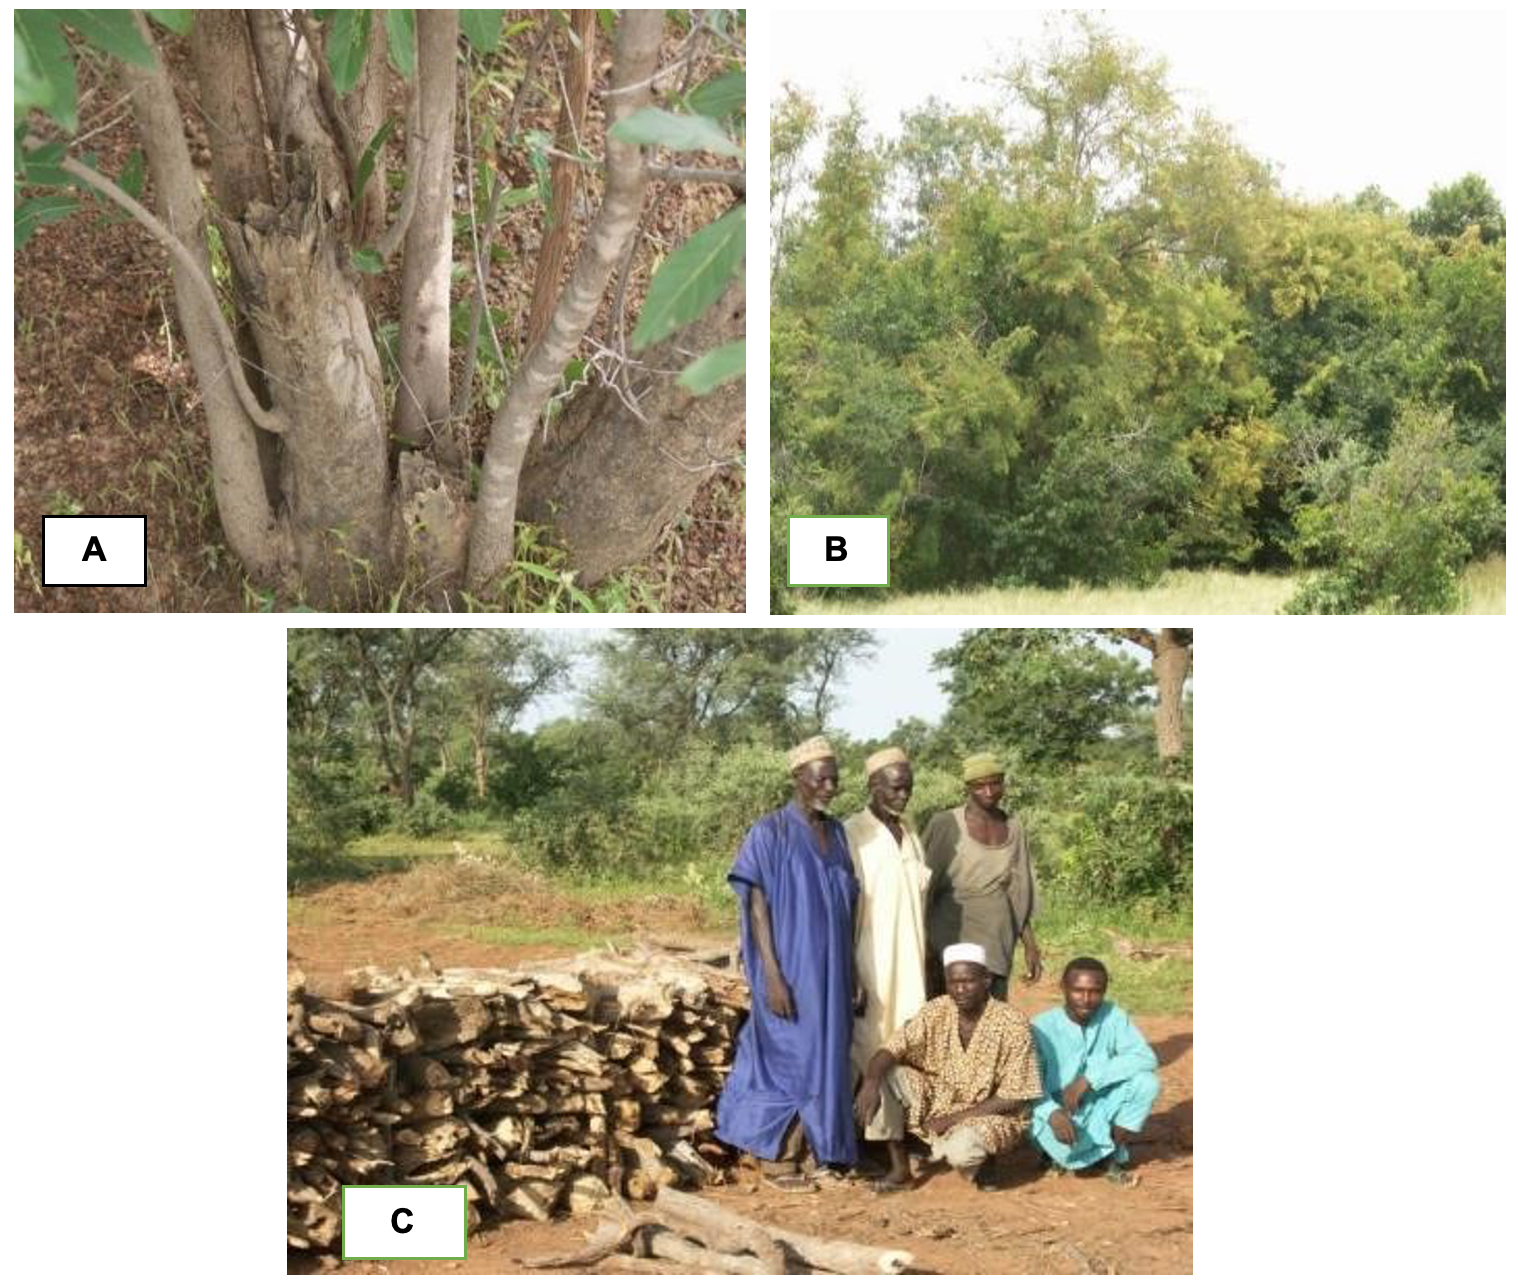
(678, 739)
(1086, 336)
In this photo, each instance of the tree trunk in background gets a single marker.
(421, 402)
(566, 174)
(1172, 662)
(608, 482)
(365, 108)
(1171, 650)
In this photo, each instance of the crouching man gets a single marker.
(1099, 1077)
(963, 1070)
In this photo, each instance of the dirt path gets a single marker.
(1029, 1225)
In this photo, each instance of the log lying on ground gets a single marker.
(705, 1237)
(539, 1090)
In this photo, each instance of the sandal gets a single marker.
(1120, 1175)
(788, 1181)
(886, 1187)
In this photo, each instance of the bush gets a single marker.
(1115, 837)
(427, 815)
(1397, 538)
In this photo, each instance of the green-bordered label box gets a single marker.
(383, 1222)
(840, 551)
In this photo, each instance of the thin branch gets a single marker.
(396, 232)
(734, 178)
(269, 419)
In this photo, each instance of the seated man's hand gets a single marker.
(1064, 1130)
(940, 1125)
(867, 1101)
(1074, 1092)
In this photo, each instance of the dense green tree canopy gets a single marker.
(1089, 337)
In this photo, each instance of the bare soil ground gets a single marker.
(1030, 1224)
(107, 413)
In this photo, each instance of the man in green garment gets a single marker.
(1100, 1077)
(982, 887)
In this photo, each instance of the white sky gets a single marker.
(1338, 99)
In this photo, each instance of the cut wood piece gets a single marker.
(842, 1256)
(442, 1023)
(671, 1244)
(533, 1200)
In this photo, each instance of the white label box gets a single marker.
(94, 551)
(840, 551)
(404, 1222)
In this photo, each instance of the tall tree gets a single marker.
(396, 671)
(1048, 693)
(492, 676)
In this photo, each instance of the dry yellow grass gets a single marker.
(1187, 592)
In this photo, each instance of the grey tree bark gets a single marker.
(247, 516)
(421, 403)
(491, 539)
(611, 476)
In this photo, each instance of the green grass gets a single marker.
(397, 844)
(1154, 986)
(526, 935)
(1187, 592)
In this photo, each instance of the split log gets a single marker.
(842, 1256)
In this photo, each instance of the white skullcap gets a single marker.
(964, 953)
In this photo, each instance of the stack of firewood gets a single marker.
(540, 1089)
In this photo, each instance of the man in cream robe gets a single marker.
(890, 946)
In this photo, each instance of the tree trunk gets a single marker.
(566, 174)
(421, 403)
(491, 539)
(234, 127)
(477, 732)
(310, 319)
(242, 502)
(366, 113)
(1171, 650)
(609, 481)
(1172, 661)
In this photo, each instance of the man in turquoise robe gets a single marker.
(1099, 1074)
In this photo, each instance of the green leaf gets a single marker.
(180, 21)
(33, 213)
(132, 174)
(400, 27)
(347, 47)
(655, 127)
(720, 97)
(519, 196)
(368, 261)
(49, 67)
(692, 278)
(482, 26)
(40, 166)
(714, 368)
(111, 31)
(366, 161)
(516, 28)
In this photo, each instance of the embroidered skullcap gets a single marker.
(882, 758)
(812, 749)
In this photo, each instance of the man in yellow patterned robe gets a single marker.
(964, 1070)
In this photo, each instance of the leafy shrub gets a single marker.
(1115, 837)
(1396, 536)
